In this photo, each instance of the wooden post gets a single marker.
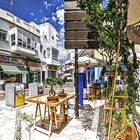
(76, 85)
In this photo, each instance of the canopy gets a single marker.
(88, 61)
(133, 21)
(13, 69)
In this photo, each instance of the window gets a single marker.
(35, 45)
(19, 42)
(24, 44)
(44, 53)
(55, 54)
(28, 43)
(13, 42)
(52, 37)
(45, 36)
(41, 47)
(2, 35)
(48, 52)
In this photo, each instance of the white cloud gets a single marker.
(62, 51)
(60, 7)
(47, 5)
(60, 16)
(32, 14)
(44, 19)
(54, 18)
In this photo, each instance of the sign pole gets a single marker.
(76, 85)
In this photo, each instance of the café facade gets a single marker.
(14, 69)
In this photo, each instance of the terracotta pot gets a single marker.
(130, 133)
(66, 117)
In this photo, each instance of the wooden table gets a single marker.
(52, 117)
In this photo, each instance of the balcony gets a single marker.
(22, 50)
(51, 61)
(68, 68)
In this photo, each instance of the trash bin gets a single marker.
(35, 89)
(15, 95)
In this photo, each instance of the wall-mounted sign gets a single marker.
(11, 60)
(77, 35)
(52, 67)
(33, 64)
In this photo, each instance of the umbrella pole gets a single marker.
(76, 85)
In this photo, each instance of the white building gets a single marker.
(50, 51)
(26, 49)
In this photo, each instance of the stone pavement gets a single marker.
(85, 128)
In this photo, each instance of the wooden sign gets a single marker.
(77, 35)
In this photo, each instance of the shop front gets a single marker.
(34, 71)
(12, 70)
(52, 71)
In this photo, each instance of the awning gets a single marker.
(13, 69)
(35, 69)
(133, 21)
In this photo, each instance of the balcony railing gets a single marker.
(23, 50)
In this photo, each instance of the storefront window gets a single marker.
(11, 78)
(52, 74)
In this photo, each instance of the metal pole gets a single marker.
(76, 85)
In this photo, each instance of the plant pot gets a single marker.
(53, 99)
(62, 95)
(121, 137)
(66, 118)
(130, 133)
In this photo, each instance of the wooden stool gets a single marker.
(91, 94)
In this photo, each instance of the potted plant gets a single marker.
(51, 82)
(61, 82)
(29, 121)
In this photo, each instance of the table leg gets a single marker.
(62, 113)
(36, 111)
(48, 113)
(55, 117)
(45, 112)
(40, 113)
(51, 117)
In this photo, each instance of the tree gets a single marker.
(105, 22)
(110, 23)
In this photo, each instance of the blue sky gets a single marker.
(40, 11)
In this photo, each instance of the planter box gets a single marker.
(62, 95)
(53, 99)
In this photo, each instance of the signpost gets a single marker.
(77, 36)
